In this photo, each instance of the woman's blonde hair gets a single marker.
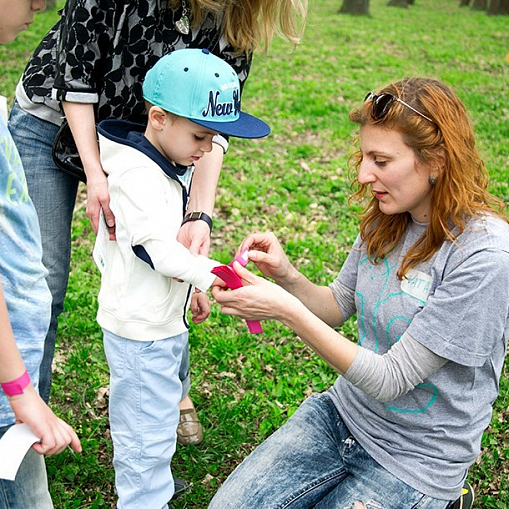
(448, 145)
(251, 24)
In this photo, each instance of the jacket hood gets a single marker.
(119, 130)
(115, 134)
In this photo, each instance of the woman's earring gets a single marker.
(432, 181)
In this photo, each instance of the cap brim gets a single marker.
(246, 126)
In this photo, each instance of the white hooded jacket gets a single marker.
(140, 297)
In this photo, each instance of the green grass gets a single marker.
(295, 184)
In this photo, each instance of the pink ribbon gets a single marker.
(233, 281)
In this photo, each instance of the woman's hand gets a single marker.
(258, 299)
(55, 434)
(98, 197)
(268, 255)
(81, 118)
(195, 235)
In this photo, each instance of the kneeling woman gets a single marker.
(428, 278)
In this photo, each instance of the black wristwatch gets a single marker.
(196, 216)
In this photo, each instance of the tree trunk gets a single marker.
(355, 7)
(499, 7)
(398, 3)
(480, 5)
(464, 3)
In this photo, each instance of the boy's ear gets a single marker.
(157, 117)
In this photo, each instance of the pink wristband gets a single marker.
(15, 388)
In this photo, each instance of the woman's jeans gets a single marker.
(54, 195)
(145, 392)
(314, 462)
(30, 488)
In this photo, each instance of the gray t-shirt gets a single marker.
(457, 306)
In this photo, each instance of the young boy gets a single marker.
(148, 280)
(25, 307)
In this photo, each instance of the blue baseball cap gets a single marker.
(197, 85)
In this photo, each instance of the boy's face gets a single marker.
(181, 141)
(17, 15)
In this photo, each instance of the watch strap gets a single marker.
(198, 216)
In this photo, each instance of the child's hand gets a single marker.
(55, 434)
(200, 307)
(218, 282)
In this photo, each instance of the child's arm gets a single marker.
(27, 405)
(148, 216)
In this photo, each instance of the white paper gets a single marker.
(101, 243)
(13, 447)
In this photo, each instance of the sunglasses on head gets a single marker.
(382, 104)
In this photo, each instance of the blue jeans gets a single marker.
(145, 391)
(30, 488)
(54, 195)
(314, 462)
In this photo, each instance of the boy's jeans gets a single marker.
(145, 392)
(54, 194)
(30, 489)
(313, 462)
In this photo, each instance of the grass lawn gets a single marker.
(294, 183)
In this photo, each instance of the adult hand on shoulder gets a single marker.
(195, 235)
(268, 255)
(98, 197)
(258, 299)
(55, 434)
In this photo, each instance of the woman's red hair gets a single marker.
(448, 144)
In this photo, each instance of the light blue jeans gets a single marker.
(30, 488)
(314, 462)
(54, 195)
(145, 392)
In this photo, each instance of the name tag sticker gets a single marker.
(417, 284)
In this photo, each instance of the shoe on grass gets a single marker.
(466, 501)
(189, 429)
(180, 487)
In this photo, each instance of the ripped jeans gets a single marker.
(314, 462)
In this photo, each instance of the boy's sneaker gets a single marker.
(466, 501)
(180, 487)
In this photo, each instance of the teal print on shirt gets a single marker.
(16, 189)
(385, 274)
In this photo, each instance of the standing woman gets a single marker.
(90, 67)
(428, 277)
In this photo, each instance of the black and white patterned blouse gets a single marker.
(100, 50)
